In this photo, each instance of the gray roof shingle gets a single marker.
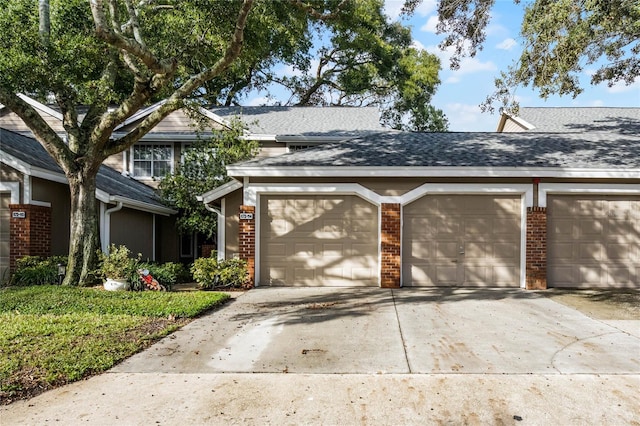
(305, 121)
(568, 150)
(587, 119)
(29, 151)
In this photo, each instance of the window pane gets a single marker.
(142, 168)
(142, 152)
(161, 168)
(161, 152)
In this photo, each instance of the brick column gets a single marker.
(536, 248)
(390, 245)
(29, 232)
(248, 240)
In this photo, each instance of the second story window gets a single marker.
(152, 159)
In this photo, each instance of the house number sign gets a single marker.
(246, 216)
(19, 215)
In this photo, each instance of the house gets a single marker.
(35, 207)
(277, 129)
(530, 210)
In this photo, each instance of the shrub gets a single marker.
(119, 264)
(210, 273)
(35, 270)
(168, 274)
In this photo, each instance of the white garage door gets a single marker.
(593, 241)
(5, 200)
(462, 240)
(318, 241)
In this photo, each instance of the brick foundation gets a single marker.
(31, 235)
(390, 245)
(536, 248)
(247, 241)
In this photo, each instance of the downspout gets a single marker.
(220, 221)
(106, 240)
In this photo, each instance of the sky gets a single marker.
(462, 91)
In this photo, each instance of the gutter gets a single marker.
(106, 226)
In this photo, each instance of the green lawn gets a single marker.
(53, 335)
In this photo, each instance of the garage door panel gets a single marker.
(477, 242)
(602, 250)
(328, 241)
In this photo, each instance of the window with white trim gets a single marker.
(152, 159)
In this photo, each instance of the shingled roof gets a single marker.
(14, 146)
(595, 150)
(586, 119)
(305, 121)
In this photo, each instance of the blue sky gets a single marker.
(461, 91)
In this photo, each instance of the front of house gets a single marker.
(523, 210)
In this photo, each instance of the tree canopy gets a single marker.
(561, 38)
(117, 56)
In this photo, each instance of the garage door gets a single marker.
(318, 241)
(5, 200)
(462, 240)
(593, 241)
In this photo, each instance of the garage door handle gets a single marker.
(454, 261)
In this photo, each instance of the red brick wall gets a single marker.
(247, 234)
(536, 248)
(30, 236)
(390, 245)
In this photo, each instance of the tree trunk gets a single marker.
(84, 238)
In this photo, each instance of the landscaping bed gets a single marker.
(53, 335)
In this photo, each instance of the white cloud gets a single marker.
(622, 87)
(596, 103)
(417, 45)
(467, 65)
(506, 44)
(430, 26)
(469, 118)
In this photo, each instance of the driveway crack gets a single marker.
(404, 343)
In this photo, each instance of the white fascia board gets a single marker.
(219, 192)
(312, 139)
(215, 117)
(399, 171)
(259, 137)
(13, 188)
(136, 205)
(585, 188)
(141, 113)
(42, 107)
(30, 170)
(163, 137)
(252, 191)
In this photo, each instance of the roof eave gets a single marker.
(453, 172)
(219, 192)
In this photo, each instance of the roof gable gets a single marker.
(585, 119)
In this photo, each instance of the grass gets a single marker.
(53, 335)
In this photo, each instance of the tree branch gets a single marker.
(133, 47)
(175, 101)
(42, 131)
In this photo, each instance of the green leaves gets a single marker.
(203, 168)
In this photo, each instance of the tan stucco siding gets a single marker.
(59, 196)
(133, 229)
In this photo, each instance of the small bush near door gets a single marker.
(35, 270)
(211, 273)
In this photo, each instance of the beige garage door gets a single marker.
(5, 200)
(462, 240)
(318, 241)
(593, 241)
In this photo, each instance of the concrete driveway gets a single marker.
(368, 356)
(420, 331)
